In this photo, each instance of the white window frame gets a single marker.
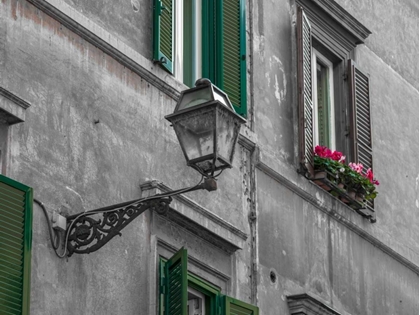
(201, 302)
(316, 55)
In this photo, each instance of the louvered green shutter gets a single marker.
(163, 33)
(232, 67)
(15, 246)
(232, 306)
(360, 116)
(304, 47)
(176, 284)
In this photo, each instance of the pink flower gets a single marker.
(357, 167)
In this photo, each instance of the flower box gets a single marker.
(347, 183)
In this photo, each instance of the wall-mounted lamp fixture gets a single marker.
(207, 128)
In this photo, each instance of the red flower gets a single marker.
(369, 175)
(336, 156)
(322, 151)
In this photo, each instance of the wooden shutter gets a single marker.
(176, 284)
(304, 47)
(15, 246)
(231, 306)
(232, 67)
(360, 124)
(163, 33)
(360, 131)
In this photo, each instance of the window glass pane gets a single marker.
(323, 101)
(188, 41)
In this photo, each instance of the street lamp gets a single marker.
(207, 129)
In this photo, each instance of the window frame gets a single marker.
(325, 26)
(217, 41)
(217, 303)
(316, 55)
(335, 34)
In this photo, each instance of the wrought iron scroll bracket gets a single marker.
(89, 231)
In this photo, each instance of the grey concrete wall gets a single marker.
(96, 130)
(310, 251)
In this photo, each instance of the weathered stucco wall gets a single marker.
(95, 131)
(310, 251)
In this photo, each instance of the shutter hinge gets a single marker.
(345, 76)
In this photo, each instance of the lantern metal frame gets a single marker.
(212, 105)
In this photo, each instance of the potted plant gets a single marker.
(342, 180)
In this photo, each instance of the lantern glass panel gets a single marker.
(227, 133)
(221, 98)
(195, 132)
(195, 97)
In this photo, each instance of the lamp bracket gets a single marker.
(89, 231)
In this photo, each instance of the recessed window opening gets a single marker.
(188, 41)
(196, 302)
(323, 100)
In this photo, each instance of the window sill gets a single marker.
(348, 197)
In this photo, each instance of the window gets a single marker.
(333, 94)
(15, 246)
(203, 38)
(184, 293)
(334, 107)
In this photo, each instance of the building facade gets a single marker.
(84, 88)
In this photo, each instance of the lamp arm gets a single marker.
(88, 231)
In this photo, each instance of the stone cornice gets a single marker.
(199, 220)
(305, 304)
(13, 110)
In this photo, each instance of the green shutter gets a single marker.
(176, 284)
(15, 246)
(232, 67)
(304, 48)
(163, 33)
(231, 306)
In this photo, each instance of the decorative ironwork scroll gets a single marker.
(91, 230)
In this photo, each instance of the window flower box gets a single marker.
(347, 183)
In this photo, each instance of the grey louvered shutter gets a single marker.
(163, 33)
(15, 246)
(233, 64)
(176, 291)
(360, 130)
(360, 123)
(304, 47)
